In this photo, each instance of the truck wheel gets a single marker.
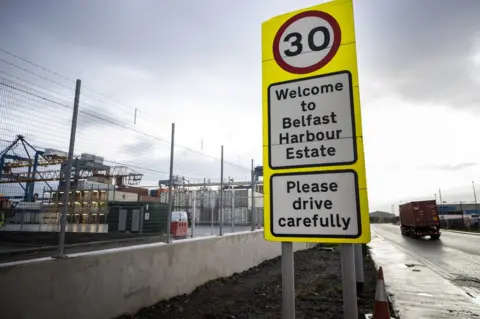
(435, 237)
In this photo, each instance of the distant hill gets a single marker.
(380, 214)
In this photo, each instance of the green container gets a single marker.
(137, 217)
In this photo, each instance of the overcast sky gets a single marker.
(199, 65)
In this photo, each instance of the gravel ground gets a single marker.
(256, 293)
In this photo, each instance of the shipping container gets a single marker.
(419, 219)
(93, 185)
(54, 152)
(143, 198)
(101, 179)
(136, 190)
(122, 196)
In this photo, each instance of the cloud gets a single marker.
(92, 116)
(422, 49)
(142, 146)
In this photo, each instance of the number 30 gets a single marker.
(297, 41)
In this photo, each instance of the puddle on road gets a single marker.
(466, 281)
(412, 267)
(424, 294)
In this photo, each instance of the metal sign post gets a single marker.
(348, 282)
(288, 281)
(313, 163)
(359, 271)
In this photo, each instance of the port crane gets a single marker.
(20, 163)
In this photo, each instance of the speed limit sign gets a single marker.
(307, 42)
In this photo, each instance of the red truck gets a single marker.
(419, 219)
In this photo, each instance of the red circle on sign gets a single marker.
(337, 39)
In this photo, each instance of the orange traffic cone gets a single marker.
(381, 309)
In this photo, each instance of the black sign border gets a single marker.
(357, 197)
(352, 109)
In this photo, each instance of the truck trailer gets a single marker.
(419, 219)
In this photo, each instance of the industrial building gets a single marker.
(459, 215)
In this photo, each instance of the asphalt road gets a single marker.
(455, 256)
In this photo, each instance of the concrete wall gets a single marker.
(109, 283)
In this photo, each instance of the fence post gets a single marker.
(170, 185)
(232, 215)
(253, 197)
(68, 172)
(194, 212)
(220, 207)
(212, 207)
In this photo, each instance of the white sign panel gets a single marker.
(311, 122)
(323, 204)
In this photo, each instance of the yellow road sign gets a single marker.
(315, 184)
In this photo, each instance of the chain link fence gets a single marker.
(81, 171)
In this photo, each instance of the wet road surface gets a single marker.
(456, 255)
(430, 279)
